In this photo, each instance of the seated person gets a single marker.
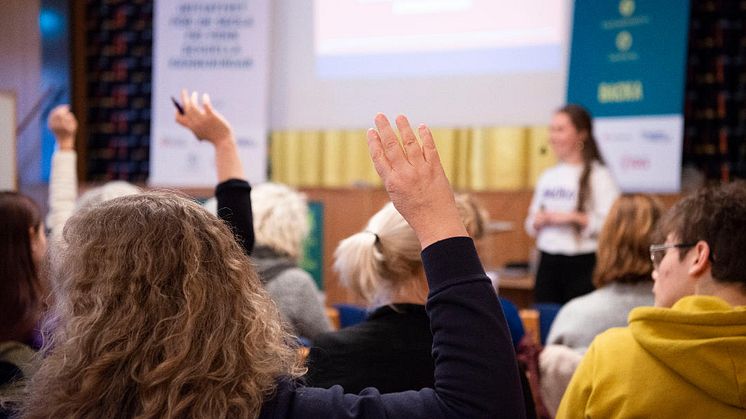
(623, 282)
(683, 358)
(280, 225)
(159, 313)
(232, 191)
(391, 350)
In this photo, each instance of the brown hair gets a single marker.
(716, 215)
(159, 313)
(582, 121)
(625, 239)
(20, 284)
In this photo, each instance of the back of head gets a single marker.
(20, 285)
(280, 218)
(717, 216)
(158, 313)
(473, 214)
(385, 256)
(105, 192)
(625, 239)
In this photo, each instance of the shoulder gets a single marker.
(294, 275)
(614, 341)
(601, 172)
(583, 304)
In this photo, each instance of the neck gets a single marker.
(732, 293)
(574, 159)
(412, 291)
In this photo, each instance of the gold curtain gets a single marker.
(480, 159)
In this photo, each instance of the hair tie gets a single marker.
(378, 239)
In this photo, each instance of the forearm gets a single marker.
(475, 367)
(227, 160)
(234, 207)
(63, 189)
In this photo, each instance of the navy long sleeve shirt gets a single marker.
(476, 374)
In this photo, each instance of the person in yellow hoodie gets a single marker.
(685, 357)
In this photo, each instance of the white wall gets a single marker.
(20, 69)
(298, 99)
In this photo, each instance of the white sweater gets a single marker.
(63, 190)
(557, 191)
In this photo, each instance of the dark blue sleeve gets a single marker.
(234, 207)
(476, 375)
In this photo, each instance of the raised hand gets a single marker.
(414, 179)
(205, 122)
(63, 125)
(208, 124)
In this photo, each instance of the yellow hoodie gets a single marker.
(688, 361)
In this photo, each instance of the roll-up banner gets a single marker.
(628, 67)
(219, 47)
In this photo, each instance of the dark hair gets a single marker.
(20, 285)
(716, 215)
(581, 120)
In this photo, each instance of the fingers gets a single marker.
(195, 99)
(375, 148)
(185, 100)
(391, 147)
(429, 151)
(207, 104)
(411, 145)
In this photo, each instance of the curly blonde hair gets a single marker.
(158, 314)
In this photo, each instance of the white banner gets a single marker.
(642, 152)
(220, 47)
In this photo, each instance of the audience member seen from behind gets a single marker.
(568, 208)
(391, 350)
(281, 224)
(63, 178)
(160, 314)
(623, 281)
(689, 349)
(22, 290)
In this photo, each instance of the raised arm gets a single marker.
(233, 191)
(476, 374)
(63, 178)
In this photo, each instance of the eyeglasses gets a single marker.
(658, 251)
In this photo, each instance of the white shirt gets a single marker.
(557, 191)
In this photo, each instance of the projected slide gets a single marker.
(390, 38)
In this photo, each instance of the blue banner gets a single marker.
(628, 57)
(628, 67)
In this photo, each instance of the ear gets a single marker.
(701, 259)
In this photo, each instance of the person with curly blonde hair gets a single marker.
(159, 313)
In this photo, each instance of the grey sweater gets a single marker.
(582, 318)
(294, 292)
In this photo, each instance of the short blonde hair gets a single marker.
(624, 241)
(377, 261)
(280, 218)
(105, 192)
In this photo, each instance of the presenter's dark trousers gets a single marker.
(561, 278)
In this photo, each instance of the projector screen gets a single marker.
(449, 63)
(379, 38)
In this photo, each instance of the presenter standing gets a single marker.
(568, 208)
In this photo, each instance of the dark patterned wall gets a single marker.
(715, 128)
(119, 46)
